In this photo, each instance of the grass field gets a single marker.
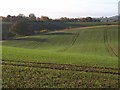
(78, 58)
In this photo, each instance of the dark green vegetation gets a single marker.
(39, 27)
(81, 57)
(21, 28)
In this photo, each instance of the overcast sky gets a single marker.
(60, 8)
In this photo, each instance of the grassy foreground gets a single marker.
(24, 77)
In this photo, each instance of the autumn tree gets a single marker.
(32, 17)
(44, 18)
(88, 19)
(64, 19)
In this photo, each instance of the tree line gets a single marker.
(32, 17)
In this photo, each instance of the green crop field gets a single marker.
(78, 58)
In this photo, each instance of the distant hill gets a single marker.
(110, 19)
(114, 18)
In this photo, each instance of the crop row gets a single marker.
(29, 77)
(110, 50)
(63, 67)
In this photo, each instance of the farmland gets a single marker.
(78, 58)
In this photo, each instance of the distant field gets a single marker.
(84, 24)
(81, 57)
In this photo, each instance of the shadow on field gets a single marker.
(44, 39)
(59, 33)
(32, 39)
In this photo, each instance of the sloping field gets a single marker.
(89, 55)
(77, 40)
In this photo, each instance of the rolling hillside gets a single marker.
(89, 53)
(95, 40)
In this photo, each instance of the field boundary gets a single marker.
(90, 27)
(55, 66)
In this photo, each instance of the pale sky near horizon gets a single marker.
(60, 8)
